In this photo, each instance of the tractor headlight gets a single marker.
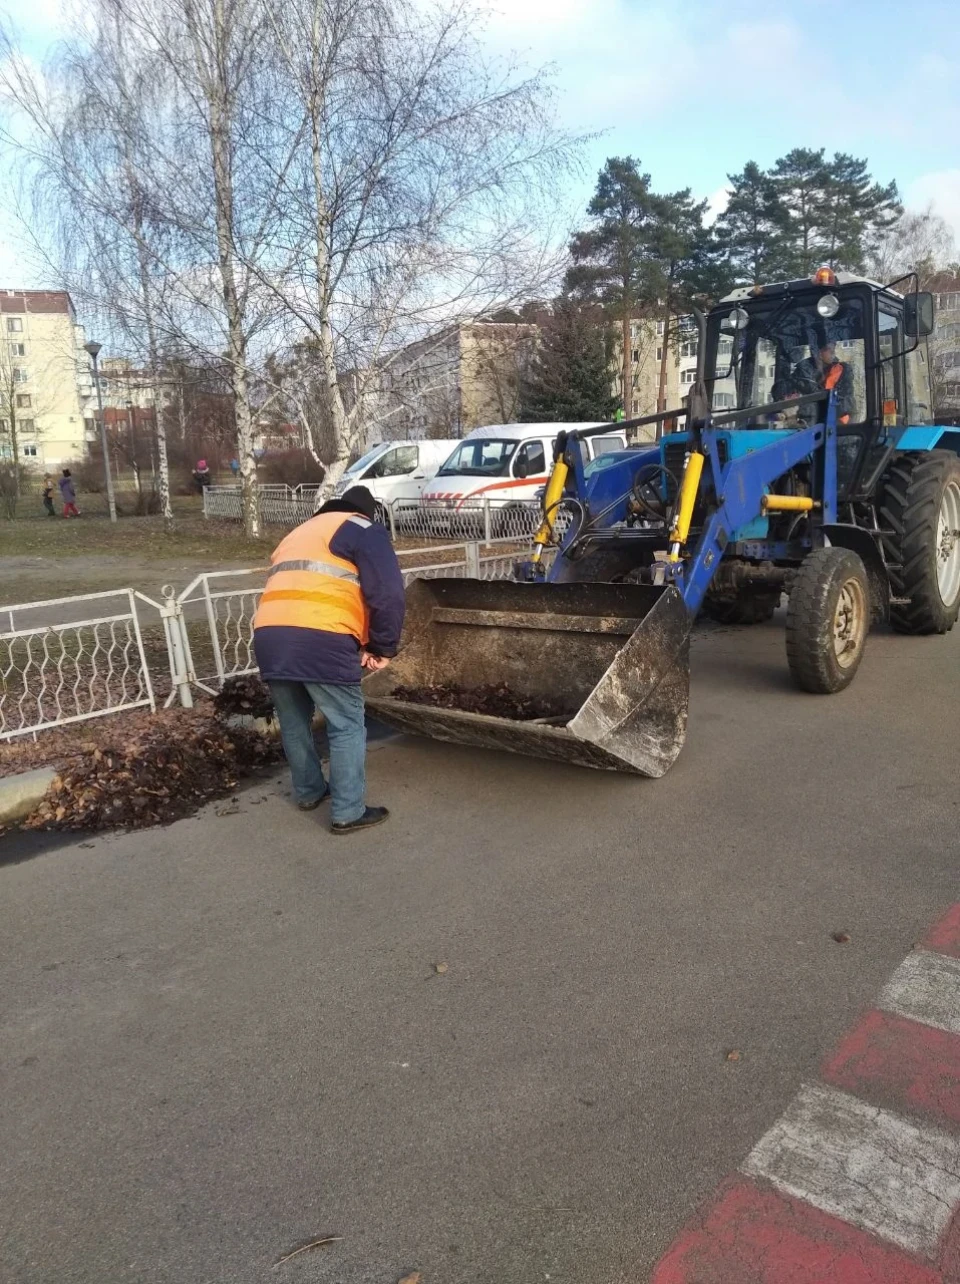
(828, 305)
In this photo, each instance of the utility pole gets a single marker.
(94, 351)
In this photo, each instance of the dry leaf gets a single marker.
(413, 1278)
(322, 1242)
(733, 1054)
(439, 968)
(841, 938)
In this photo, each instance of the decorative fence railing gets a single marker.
(61, 663)
(484, 518)
(66, 660)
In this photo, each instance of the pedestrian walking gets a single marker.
(201, 475)
(68, 494)
(48, 496)
(333, 607)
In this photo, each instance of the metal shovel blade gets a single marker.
(614, 658)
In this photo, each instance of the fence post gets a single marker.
(174, 626)
(206, 491)
(393, 520)
(472, 561)
(487, 528)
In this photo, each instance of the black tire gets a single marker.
(828, 618)
(746, 608)
(915, 490)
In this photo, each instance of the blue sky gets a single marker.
(695, 88)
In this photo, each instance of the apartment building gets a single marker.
(945, 352)
(46, 389)
(451, 383)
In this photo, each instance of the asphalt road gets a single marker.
(226, 1038)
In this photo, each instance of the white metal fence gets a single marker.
(483, 518)
(62, 662)
(66, 660)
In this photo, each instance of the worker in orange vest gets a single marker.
(825, 371)
(332, 608)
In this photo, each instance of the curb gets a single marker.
(22, 794)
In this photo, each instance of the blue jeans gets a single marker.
(342, 706)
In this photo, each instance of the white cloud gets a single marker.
(941, 191)
(717, 202)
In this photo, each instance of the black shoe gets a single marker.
(372, 816)
(312, 806)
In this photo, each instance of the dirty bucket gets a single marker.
(612, 658)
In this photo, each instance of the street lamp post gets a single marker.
(94, 350)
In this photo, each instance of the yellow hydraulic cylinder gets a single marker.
(685, 502)
(787, 504)
(551, 499)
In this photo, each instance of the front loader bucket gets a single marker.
(611, 659)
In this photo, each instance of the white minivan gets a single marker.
(396, 472)
(506, 464)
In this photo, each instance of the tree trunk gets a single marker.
(220, 148)
(664, 354)
(627, 376)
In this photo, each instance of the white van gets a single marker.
(396, 471)
(506, 463)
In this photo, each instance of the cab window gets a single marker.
(919, 409)
(890, 338)
(395, 463)
(531, 460)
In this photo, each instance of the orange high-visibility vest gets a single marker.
(309, 587)
(833, 376)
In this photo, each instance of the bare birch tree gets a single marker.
(417, 186)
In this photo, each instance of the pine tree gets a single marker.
(801, 180)
(570, 380)
(857, 213)
(752, 229)
(612, 259)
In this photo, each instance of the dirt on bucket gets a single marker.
(496, 700)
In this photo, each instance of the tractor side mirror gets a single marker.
(918, 314)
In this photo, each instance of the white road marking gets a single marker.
(925, 987)
(867, 1166)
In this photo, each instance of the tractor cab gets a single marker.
(837, 332)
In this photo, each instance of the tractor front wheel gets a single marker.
(828, 618)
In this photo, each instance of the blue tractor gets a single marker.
(806, 462)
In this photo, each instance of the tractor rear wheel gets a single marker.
(746, 608)
(828, 618)
(920, 517)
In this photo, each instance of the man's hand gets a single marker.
(372, 662)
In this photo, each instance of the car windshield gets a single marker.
(484, 457)
(787, 349)
(365, 460)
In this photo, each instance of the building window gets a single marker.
(687, 376)
(24, 401)
(18, 349)
(948, 302)
(25, 425)
(19, 374)
(636, 406)
(659, 329)
(14, 325)
(659, 354)
(636, 355)
(688, 349)
(30, 451)
(723, 401)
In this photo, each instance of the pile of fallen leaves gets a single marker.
(157, 772)
(496, 700)
(247, 694)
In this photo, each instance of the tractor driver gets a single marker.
(824, 371)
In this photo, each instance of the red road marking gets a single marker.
(944, 936)
(893, 1061)
(751, 1235)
